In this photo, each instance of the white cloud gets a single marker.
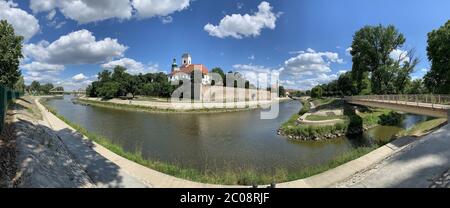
(133, 66)
(252, 57)
(399, 55)
(51, 15)
(166, 19)
(258, 75)
(79, 77)
(303, 71)
(310, 63)
(240, 5)
(24, 24)
(348, 51)
(78, 47)
(85, 11)
(43, 67)
(153, 8)
(239, 26)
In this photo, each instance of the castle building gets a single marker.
(186, 69)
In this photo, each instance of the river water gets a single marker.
(215, 141)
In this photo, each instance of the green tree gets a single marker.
(10, 55)
(416, 87)
(281, 92)
(45, 89)
(317, 92)
(35, 87)
(219, 71)
(371, 54)
(109, 90)
(20, 85)
(346, 85)
(437, 80)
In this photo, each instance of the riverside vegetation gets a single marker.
(356, 120)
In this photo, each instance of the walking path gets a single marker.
(422, 164)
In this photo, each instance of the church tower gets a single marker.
(186, 59)
(175, 65)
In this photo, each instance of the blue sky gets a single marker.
(70, 41)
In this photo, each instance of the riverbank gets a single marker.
(178, 107)
(31, 154)
(319, 176)
(333, 118)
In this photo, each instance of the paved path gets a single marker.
(102, 172)
(417, 166)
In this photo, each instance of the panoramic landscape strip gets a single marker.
(159, 95)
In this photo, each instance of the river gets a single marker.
(215, 141)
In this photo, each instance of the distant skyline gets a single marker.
(69, 41)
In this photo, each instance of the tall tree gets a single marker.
(35, 87)
(219, 71)
(20, 85)
(437, 80)
(10, 55)
(371, 51)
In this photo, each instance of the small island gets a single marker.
(329, 118)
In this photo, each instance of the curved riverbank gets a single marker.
(345, 120)
(312, 177)
(178, 107)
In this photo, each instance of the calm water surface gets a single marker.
(217, 141)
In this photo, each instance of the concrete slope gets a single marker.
(416, 166)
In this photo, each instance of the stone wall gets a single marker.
(229, 94)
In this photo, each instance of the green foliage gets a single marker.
(416, 86)
(371, 49)
(317, 92)
(437, 79)
(219, 71)
(20, 85)
(119, 83)
(345, 84)
(109, 90)
(10, 55)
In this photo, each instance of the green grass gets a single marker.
(228, 177)
(323, 118)
(423, 127)
(322, 101)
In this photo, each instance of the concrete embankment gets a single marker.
(39, 158)
(185, 106)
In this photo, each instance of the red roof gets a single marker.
(190, 68)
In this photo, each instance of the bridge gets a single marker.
(429, 105)
(79, 92)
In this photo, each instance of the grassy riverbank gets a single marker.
(228, 177)
(354, 121)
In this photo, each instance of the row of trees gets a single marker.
(376, 71)
(36, 88)
(119, 83)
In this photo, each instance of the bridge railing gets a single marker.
(424, 100)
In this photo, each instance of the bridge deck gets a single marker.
(422, 108)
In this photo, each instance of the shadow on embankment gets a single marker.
(59, 159)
